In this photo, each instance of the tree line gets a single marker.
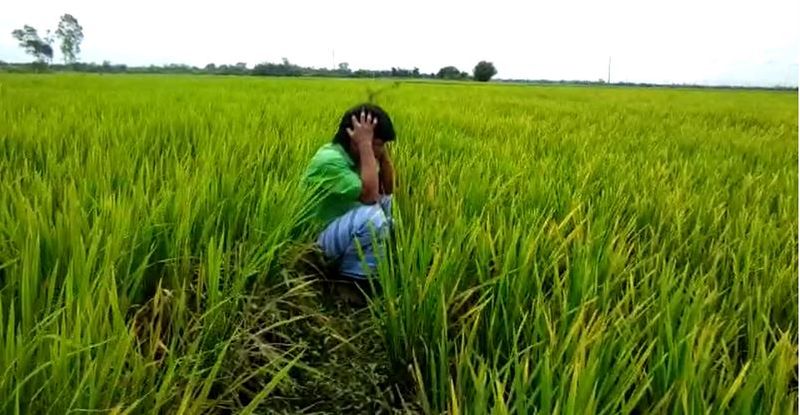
(70, 36)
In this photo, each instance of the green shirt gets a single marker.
(334, 181)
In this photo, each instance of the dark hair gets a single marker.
(384, 130)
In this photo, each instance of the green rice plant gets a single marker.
(557, 249)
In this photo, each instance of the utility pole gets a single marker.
(609, 69)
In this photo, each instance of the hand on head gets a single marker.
(363, 131)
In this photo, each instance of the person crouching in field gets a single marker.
(352, 180)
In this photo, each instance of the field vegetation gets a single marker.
(558, 250)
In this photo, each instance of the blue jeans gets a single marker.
(359, 225)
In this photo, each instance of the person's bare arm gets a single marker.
(386, 175)
(369, 174)
(362, 134)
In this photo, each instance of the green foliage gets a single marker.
(450, 72)
(484, 71)
(71, 34)
(29, 39)
(558, 249)
(129, 236)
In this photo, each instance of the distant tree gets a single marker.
(239, 69)
(400, 73)
(47, 52)
(34, 45)
(210, 67)
(344, 67)
(48, 37)
(71, 34)
(484, 71)
(277, 69)
(448, 72)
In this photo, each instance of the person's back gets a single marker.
(333, 181)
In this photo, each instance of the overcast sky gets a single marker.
(664, 41)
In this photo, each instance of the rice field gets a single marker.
(558, 250)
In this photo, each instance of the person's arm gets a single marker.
(386, 175)
(369, 174)
(362, 134)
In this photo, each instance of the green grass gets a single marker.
(559, 250)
